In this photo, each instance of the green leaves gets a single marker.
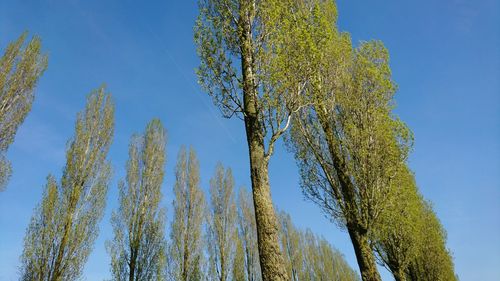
(20, 69)
(350, 147)
(433, 260)
(189, 213)
(221, 219)
(139, 247)
(70, 210)
(311, 257)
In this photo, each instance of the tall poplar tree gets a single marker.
(347, 142)
(221, 224)
(64, 226)
(186, 236)
(20, 68)
(244, 47)
(398, 238)
(433, 260)
(349, 147)
(247, 231)
(139, 247)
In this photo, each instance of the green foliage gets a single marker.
(20, 69)
(247, 234)
(433, 260)
(139, 247)
(309, 257)
(240, 43)
(64, 226)
(410, 241)
(347, 142)
(189, 213)
(291, 247)
(238, 270)
(273, 64)
(397, 238)
(221, 224)
(264, 33)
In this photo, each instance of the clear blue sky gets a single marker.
(445, 57)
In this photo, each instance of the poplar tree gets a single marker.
(326, 262)
(291, 247)
(243, 46)
(139, 247)
(64, 226)
(221, 223)
(349, 147)
(433, 260)
(189, 214)
(238, 270)
(20, 68)
(247, 232)
(398, 238)
(310, 257)
(347, 142)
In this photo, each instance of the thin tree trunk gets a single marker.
(185, 263)
(364, 255)
(222, 268)
(247, 265)
(57, 266)
(57, 272)
(132, 265)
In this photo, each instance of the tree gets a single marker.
(311, 258)
(397, 239)
(139, 247)
(330, 264)
(20, 69)
(291, 247)
(64, 226)
(433, 260)
(247, 233)
(222, 223)
(349, 148)
(189, 215)
(239, 273)
(347, 142)
(244, 46)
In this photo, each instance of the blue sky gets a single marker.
(445, 57)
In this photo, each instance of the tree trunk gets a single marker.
(57, 265)
(222, 267)
(57, 269)
(131, 274)
(359, 239)
(271, 260)
(364, 255)
(185, 258)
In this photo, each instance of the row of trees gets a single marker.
(283, 63)
(208, 241)
(216, 242)
(284, 68)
